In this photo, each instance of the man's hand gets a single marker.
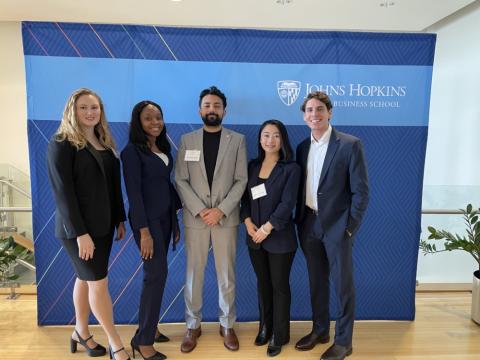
(212, 216)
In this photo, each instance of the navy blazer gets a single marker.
(81, 192)
(342, 194)
(277, 206)
(151, 194)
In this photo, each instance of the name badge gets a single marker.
(259, 191)
(192, 155)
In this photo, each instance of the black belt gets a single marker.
(311, 211)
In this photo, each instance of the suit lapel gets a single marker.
(253, 176)
(304, 154)
(97, 157)
(276, 171)
(199, 146)
(225, 138)
(252, 181)
(305, 146)
(331, 150)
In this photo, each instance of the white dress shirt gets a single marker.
(316, 158)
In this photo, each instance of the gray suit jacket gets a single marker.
(229, 179)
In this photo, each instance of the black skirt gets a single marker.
(95, 268)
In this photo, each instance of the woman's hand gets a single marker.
(85, 247)
(146, 244)
(177, 235)
(262, 232)
(120, 231)
(251, 227)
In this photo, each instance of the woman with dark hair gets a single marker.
(153, 201)
(267, 206)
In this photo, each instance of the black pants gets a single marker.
(155, 272)
(273, 286)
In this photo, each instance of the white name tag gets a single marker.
(259, 191)
(192, 155)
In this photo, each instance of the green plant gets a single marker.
(9, 253)
(469, 243)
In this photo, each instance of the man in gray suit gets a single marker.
(211, 176)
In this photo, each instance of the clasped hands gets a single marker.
(212, 216)
(258, 234)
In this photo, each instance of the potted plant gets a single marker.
(469, 243)
(9, 253)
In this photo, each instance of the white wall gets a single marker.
(13, 98)
(452, 168)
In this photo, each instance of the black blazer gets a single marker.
(277, 206)
(81, 192)
(343, 187)
(151, 194)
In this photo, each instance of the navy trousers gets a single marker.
(326, 258)
(155, 272)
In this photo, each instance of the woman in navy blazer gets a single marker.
(153, 201)
(267, 206)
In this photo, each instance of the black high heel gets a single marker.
(112, 353)
(161, 337)
(156, 356)
(98, 350)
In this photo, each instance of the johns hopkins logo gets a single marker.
(288, 90)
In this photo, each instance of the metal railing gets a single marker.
(441, 212)
(15, 204)
(16, 188)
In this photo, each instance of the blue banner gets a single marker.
(380, 87)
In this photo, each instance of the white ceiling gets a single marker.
(369, 15)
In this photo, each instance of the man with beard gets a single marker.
(211, 176)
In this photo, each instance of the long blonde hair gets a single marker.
(71, 130)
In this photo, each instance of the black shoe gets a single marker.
(337, 352)
(275, 347)
(263, 336)
(274, 350)
(161, 337)
(98, 350)
(309, 341)
(156, 356)
(112, 353)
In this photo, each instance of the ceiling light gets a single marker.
(284, 2)
(387, 4)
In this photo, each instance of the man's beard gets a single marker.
(212, 120)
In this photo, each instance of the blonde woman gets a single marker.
(84, 172)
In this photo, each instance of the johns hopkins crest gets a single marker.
(288, 90)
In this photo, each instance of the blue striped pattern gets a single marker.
(228, 45)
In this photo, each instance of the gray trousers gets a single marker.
(224, 244)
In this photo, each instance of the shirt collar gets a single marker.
(324, 139)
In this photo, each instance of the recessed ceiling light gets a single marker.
(387, 4)
(284, 2)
